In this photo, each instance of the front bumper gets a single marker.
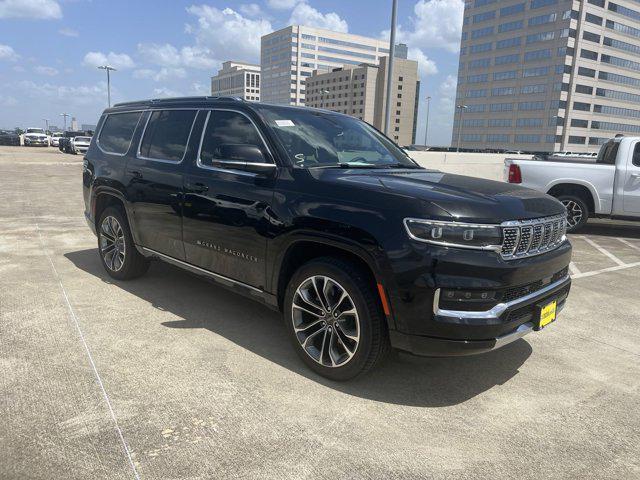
(36, 143)
(519, 315)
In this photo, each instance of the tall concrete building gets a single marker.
(360, 91)
(237, 79)
(290, 55)
(548, 75)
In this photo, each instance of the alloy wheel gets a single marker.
(574, 212)
(325, 321)
(112, 243)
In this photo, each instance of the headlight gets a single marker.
(455, 234)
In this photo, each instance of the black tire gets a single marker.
(577, 211)
(373, 339)
(131, 264)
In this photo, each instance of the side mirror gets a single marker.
(248, 157)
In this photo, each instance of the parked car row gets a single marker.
(74, 142)
(9, 138)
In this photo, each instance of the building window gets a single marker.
(580, 123)
(584, 107)
(576, 140)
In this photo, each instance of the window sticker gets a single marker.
(284, 123)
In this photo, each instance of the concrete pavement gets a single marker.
(169, 376)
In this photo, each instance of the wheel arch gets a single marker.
(584, 190)
(304, 249)
(105, 197)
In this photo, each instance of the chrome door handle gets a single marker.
(135, 173)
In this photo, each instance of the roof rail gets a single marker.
(175, 99)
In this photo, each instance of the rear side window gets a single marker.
(636, 155)
(608, 153)
(117, 131)
(227, 128)
(167, 134)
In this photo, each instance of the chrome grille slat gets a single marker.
(526, 238)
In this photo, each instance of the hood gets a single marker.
(460, 197)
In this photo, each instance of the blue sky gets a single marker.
(49, 49)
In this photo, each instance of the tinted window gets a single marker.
(117, 131)
(167, 134)
(227, 128)
(636, 155)
(608, 153)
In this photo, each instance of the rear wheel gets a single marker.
(118, 254)
(335, 319)
(577, 211)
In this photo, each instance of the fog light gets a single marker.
(451, 295)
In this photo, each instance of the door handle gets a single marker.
(135, 173)
(197, 187)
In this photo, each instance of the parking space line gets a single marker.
(73, 316)
(605, 270)
(604, 251)
(628, 243)
(573, 269)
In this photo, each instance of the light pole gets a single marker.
(462, 108)
(426, 126)
(65, 115)
(108, 69)
(392, 51)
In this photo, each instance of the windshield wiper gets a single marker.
(402, 165)
(346, 165)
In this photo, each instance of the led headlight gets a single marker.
(455, 234)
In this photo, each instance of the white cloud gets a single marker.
(44, 70)
(120, 61)
(426, 66)
(8, 101)
(435, 24)
(282, 4)
(35, 9)
(166, 92)
(68, 32)
(18, 68)
(251, 9)
(305, 14)
(198, 88)
(7, 53)
(226, 34)
(160, 75)
(169, 56)
(71, 96)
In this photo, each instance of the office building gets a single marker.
(290, 55)
(360, 91)
(548, 75)
(237, 79)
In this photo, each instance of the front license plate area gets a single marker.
(547, 313)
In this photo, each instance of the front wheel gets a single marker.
(335, 319)
(118, 254)
(577, 211)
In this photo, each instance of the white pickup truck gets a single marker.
(607, 187)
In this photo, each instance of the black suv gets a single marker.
(320, 216)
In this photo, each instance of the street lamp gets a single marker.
(65, 115)
(108, 69)
(392, 51)
(462, 108)
(426, 127)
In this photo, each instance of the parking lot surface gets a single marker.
(169, 376)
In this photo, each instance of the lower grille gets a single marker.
(514, 293)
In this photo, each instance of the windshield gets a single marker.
(315, 139)
(35, 130)
(83, 139)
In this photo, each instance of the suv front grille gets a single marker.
(525, 238)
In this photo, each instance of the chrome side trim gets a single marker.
(496, 311)
(186, 146)
(200, 270)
